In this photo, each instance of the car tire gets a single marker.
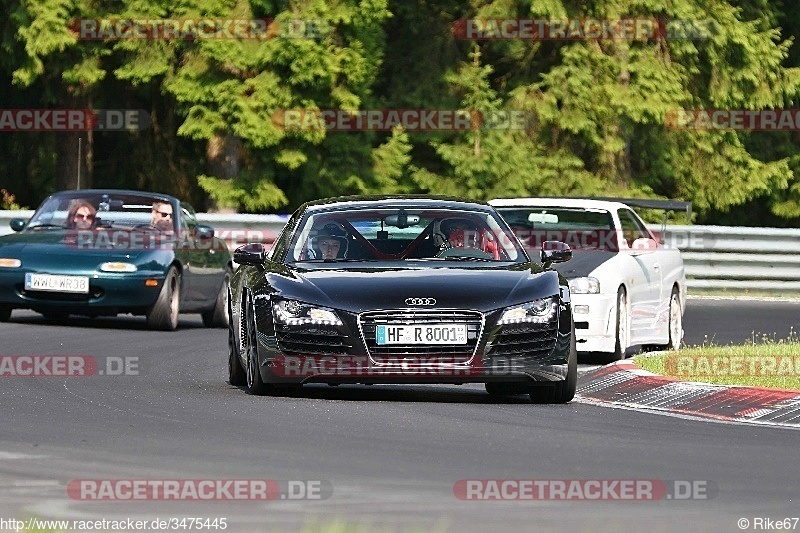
(163, 315)
(218, 316)
(5, 313)
(675, 326)
(565, 391)
(675, 322)
(255, 384)
(623, 327)
(236, 374)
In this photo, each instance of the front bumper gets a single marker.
(108, 292)
(494, 358)
(595, 318)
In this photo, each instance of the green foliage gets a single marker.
(254, 193)
(8, 201)
(597, 113)
(390, 164)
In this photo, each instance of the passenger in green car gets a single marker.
(162, 216)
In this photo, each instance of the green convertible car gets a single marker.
(105, 252)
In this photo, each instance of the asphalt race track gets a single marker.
(388, 457)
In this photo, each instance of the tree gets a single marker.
(231, 90)
(44, 49)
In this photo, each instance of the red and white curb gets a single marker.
(623, 384)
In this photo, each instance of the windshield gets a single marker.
(404, 234)
(580, 228)
(91, 210)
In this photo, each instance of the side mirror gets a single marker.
(204, 232)
(555, 252)
(643, 245)
(17, 224)
(252, 253)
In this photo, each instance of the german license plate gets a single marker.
(422, 334)
(53, 283)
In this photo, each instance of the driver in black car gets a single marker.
(330, 242)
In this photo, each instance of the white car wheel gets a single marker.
(675, 322)
(623, 327)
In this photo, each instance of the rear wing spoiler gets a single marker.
(662, 205)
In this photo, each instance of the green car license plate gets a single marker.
(57, 283)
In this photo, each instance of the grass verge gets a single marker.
(762, 363)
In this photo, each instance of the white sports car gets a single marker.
(627, 287)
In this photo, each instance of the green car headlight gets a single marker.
(294, 313)
(539, 311)
(118, 267)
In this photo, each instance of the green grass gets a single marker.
(761, 362)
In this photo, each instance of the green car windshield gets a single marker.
(110, 210)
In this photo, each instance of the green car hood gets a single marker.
(57, 248)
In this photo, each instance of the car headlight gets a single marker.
(6, 262)
(584, 286)
(294, 313)
(535, 312)
(118, 267)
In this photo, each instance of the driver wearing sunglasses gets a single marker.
(162, 216)
(81, 215)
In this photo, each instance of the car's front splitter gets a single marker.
(288, 369)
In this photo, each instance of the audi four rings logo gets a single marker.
(420, 301)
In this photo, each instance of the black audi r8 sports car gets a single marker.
(401, 289)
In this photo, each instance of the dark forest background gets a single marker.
(598, 109)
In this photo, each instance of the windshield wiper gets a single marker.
(46, 226)
(342, 260)
(466, 258)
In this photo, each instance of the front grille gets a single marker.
(530, 340)
(455, 353)
(310, 340)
